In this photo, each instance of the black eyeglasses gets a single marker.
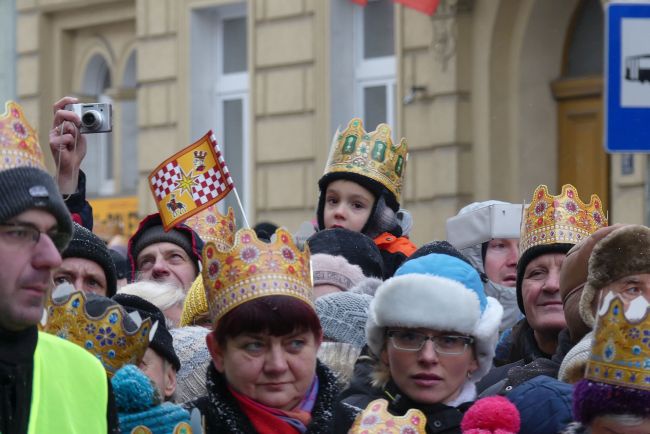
(406, 340)
(22, 234)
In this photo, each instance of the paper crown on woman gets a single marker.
(213, 226)
(370, 155)
(18, 140)
(252, 269)
(617, 378)
(564, 218)
(111, 336)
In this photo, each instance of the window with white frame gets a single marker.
(363, 68)
(98, 163)
(220, 91)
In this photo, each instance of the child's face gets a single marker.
(347, 205)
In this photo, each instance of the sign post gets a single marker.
(627, 78)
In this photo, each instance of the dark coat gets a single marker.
(544, 404)
(502, 379)
(223, 415)
(440, 418)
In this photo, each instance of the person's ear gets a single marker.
(216, 352)
(170, 381)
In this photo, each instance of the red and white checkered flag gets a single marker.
(190, 181)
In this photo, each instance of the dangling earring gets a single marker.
(469, 374)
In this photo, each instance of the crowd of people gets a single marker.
(528, 318)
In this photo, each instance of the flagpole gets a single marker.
(241, 207)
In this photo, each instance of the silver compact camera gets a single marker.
(95, 117)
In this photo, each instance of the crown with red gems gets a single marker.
(252, 269)
(369, 154)
(376, 419)
(620, 354)
(560, 219)
(18, 140)
(213, 226)
(105, 336)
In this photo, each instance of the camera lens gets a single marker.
(92, 119)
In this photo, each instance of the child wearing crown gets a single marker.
(361, 188)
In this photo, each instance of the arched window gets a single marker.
(129, 131)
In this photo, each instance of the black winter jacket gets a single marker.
(222, 413)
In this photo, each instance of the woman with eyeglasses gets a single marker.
(433, 332)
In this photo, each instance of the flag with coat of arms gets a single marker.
(190, 181)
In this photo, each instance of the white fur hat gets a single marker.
(439, 292)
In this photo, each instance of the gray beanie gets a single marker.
(191, 349)
(24, 188)
(343, 316)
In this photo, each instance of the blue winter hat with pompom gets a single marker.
(138, 403)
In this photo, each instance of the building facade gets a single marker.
(493, 96)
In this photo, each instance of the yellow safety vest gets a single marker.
(69, 389)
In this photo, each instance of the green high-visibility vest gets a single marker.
(69, 389)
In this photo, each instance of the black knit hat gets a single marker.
(162, 342)
(529, 255)
(121, 264)
(443, 247)
(86, 245)
(24, 188)
(151, 231)
(355, 247)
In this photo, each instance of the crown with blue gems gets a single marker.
(18, 140)
(105, 336)
(620, 354)
(564, 218)
(252, 269)
(370, 154)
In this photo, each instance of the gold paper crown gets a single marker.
(369, 154)
(560, 219)
(376, 419)
(252, 269)
(620, 354)
(180, 428)
(18, 141)
(195, 303)
(213, 226)
(104, 336)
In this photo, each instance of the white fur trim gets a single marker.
(467, 394)
(419, 300)
(486, 334)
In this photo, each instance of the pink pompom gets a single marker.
(493, 415)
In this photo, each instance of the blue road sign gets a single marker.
(627, 77)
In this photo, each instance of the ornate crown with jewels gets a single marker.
(252, 269)
(18, 140)
(620, 354)
(105, 336)
(376, 419)
(213, 226)
(369, 154)
(560, 219)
